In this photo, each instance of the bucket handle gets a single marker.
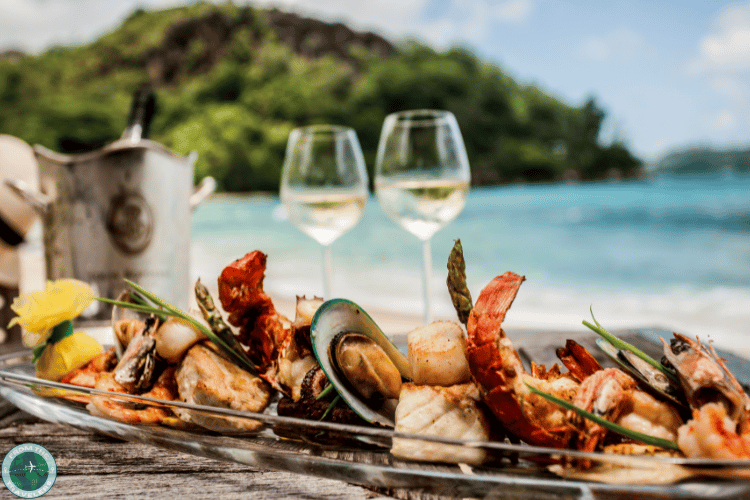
(38, 200)
(205, 188)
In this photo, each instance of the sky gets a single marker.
(669, 74)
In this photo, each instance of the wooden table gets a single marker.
(97, 466)
(94, 466)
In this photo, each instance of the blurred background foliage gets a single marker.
(233, 81)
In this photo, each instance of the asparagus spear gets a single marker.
(166, 309)
(460, 295)
(213, 316)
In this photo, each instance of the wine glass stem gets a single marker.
(426, 278)
(327, 272)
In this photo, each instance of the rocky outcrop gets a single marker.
(12, 55)
(310, 38)
(313, 38)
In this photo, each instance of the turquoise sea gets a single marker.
(669, 252)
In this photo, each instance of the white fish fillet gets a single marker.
(450, 412)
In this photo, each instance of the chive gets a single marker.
(621, 344)
(325, 391)
(170, 310)
(330, 407)
(138, 299)
(130, 305)
(624, 431)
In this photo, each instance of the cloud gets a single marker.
(34, 25)
(723, 121)
(722, 61)
(733, 89)
(618, 45)
(514, 11)
(456, 20)
(733, 113)
(727, 48)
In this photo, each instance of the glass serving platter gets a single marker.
(360, 455)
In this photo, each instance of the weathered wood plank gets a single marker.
(95, 466)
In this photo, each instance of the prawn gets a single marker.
(497, 368)
(705, 378)
(713, 434)
(135, 412)
(720, 427)
(614, 395)
(281, 349)
(251, 309)
(87, 375)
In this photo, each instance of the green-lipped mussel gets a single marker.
(649, 376)
(362, 364)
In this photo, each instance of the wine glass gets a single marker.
(422, 177)
(324, 185)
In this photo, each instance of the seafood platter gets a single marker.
(456, 411)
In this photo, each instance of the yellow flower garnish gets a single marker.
(39, 312)
(70, 353)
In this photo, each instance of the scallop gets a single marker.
(362, 364)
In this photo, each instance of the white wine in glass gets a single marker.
(422, 177)
(324, 186)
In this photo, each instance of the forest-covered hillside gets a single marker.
(233, 81)
(699, 161)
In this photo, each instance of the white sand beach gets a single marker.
(533, 310)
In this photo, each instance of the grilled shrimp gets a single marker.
(134, 412)
(279, 348)
(497, 368)
(614, 395)
(87, 375)
(705, 378)
(262, 328)
(713, 434)
(610, 393)
(720, 427)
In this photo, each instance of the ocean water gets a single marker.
(670, 253)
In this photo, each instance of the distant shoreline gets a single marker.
(646, 176)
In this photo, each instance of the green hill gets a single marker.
(233, 81)
(700, 161)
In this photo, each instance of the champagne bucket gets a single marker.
(123, 211)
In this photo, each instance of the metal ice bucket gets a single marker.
(123, 211)
(120, 212)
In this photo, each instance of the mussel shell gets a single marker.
(360, 360)
(120, 314)
(343, 316)
(655, 381)
(136, 370)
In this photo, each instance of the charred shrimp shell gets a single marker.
(362, 364)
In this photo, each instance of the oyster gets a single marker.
(359, 360)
